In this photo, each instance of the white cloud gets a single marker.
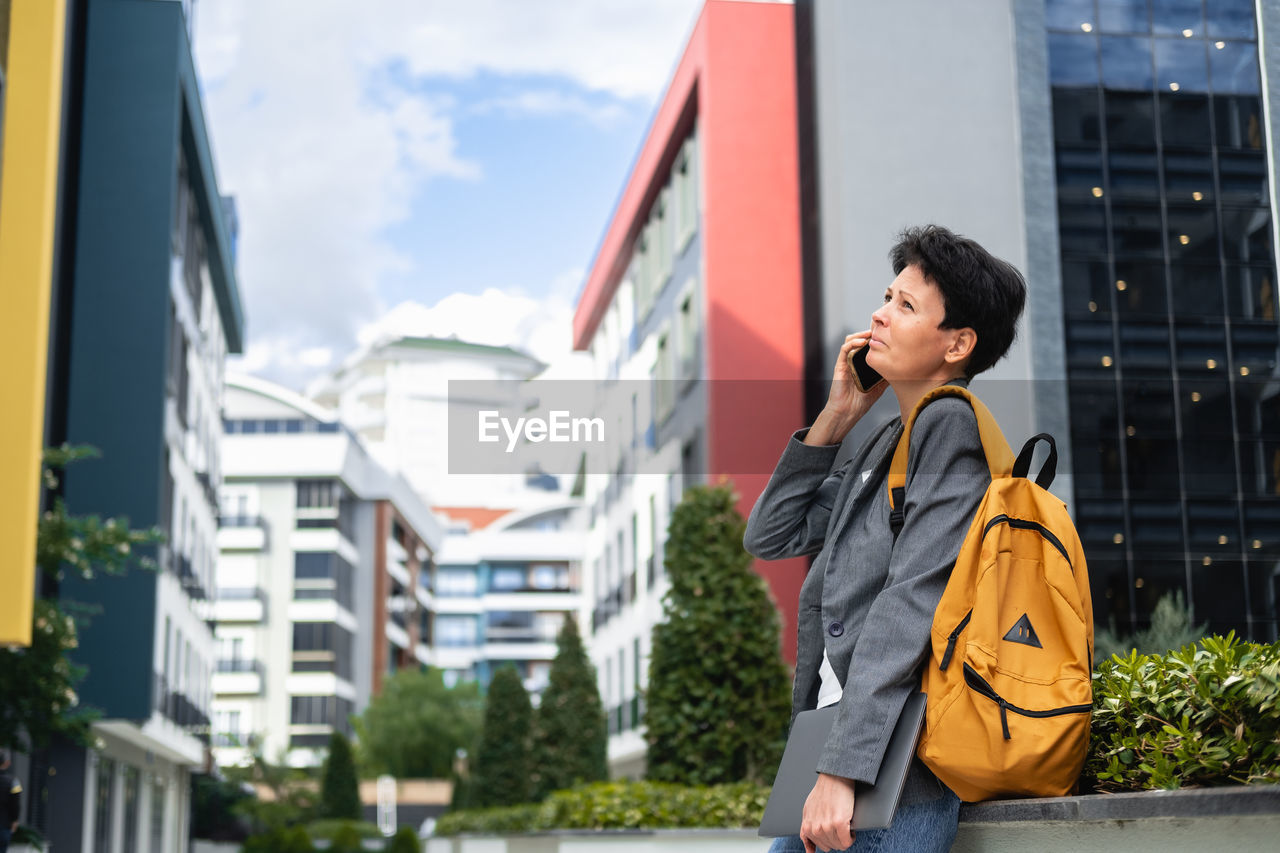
(325, 152)
(549, 102)
(540, 327)
(316, 356)
(627, 47)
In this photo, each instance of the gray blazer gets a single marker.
(867, 600)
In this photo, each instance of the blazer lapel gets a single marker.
(866, 474)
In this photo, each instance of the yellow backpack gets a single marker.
(1009, 676)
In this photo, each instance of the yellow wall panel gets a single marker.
(28, 208)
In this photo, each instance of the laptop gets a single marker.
(873, 805)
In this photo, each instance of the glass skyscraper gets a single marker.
(1167, 244)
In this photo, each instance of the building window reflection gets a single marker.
(1169, 305)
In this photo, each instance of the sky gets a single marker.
(430, 167)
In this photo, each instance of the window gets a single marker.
(455, 631)
(539, 675)
(687, 194)
(131, 805)
(102, 812)
(322, 575)
(320, 711)
(664, 237)
(653, 540)
(507, 579)
(157, 814)
(641, 275)
(547, 625)
(457, 581)
(323, 647)
(550, 576)
(509, 621)
(313, 494)
(688, 330)
(664, 396)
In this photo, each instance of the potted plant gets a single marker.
(27, 839)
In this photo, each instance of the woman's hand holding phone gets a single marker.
(848, 399)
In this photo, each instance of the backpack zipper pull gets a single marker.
(951, 647)
(951, 641)
(1004, 719)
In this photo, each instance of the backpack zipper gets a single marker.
(951, 640)
(978, 683)
(1022, 524)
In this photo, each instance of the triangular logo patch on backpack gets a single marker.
(1022, 632)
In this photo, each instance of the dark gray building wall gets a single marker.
(921, 113)
(66, 782)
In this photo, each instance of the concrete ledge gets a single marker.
(1235, 818)
(1237, 800)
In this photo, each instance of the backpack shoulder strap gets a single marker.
(999, 455)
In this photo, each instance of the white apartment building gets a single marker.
(691, 312)
(646, 353)
(322, 581)
(394, 394)
(510, 567)
(502, 591)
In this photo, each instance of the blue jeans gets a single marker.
(5, 836)
(926, 827)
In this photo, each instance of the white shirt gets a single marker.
(830, 690)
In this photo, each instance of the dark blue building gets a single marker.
(147, 307)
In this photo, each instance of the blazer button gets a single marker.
(835, 629)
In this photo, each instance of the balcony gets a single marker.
(178, 708)
(611, 605)
(237, 740)
(238, 677)
(205, 480)
(522, 637)
(242, 533)
(529, 588)
(240, 665)
(191, 585)
(239, 604)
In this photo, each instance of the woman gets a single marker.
(867, 603)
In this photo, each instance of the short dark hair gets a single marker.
(979, 290)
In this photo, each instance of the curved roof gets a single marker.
(282, 395)
(515, 519)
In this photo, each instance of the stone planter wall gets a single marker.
(1213, 819)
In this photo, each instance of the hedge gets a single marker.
(619, 805)
(1200, 716)
(1193, 717)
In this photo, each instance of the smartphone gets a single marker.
(864, 375)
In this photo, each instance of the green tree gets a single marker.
(1170, 629)
(212, 804)
(719, 697)
(295, 840)
(38, 698)
(461, 796)
(339, 786)
(501, 773)
(414, 727)
(280, 840)
(570, 741)
(292, 801)
(404, 841)
(346, 840)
